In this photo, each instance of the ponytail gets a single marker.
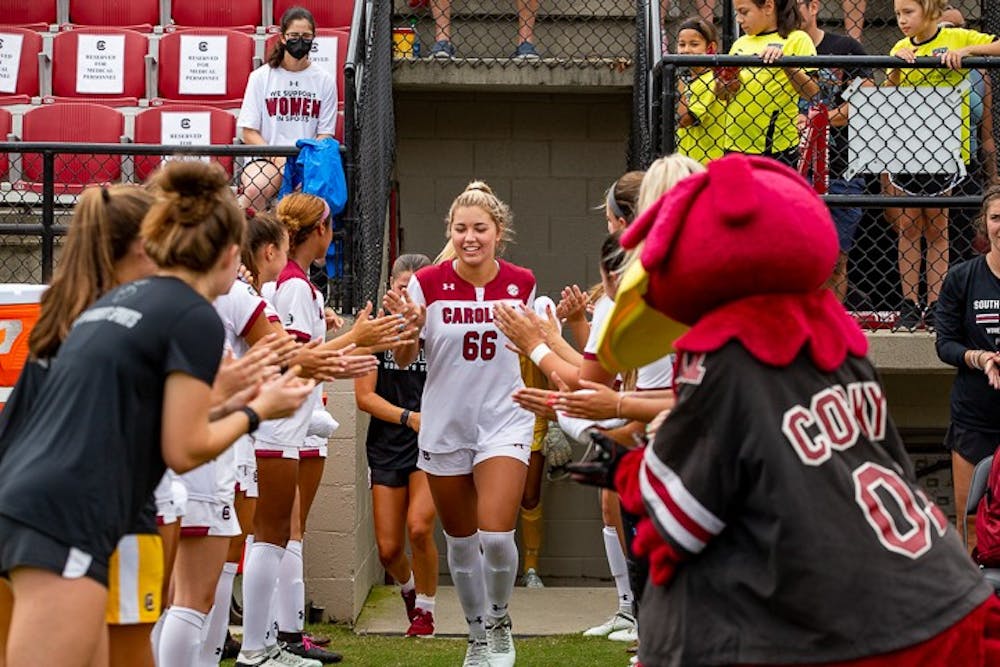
(277, 54)
(788, 16)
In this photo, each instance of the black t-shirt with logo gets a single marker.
(968, 318)
(802, 533)
(833, 81)
(390, 445)
(86, 458)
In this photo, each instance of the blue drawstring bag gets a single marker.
(317, 170)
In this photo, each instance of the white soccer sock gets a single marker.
(409, 585)
(499, 569)
(425, 602)
(260, 572)
(465, 562)
(291, 600)
(619, 568)
(218, 619)
(181, 637)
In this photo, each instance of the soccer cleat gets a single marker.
(421, 624)
(410, 600)
(314, 655)
(625, 635)
(231, 649)
(316, 640)
(476, 654)
(532, 580)
(276, 658)
(500, 643)
(620, 620)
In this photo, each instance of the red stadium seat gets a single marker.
(328, 13)
(116, 83)
(32, 14)
(139, 15)
(323, 53)
(242, 15)
(19, 49)
(182, 124)
(72, 122)
(180, 76)
(6, 124)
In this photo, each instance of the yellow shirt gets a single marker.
(761, 116)
(946, 39)
(703, 140)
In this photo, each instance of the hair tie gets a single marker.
(249, 212)
(326, 211)
(616, 209)
(105, 195)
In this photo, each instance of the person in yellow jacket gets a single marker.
(918, 20)
(763, 101)
(701, 114)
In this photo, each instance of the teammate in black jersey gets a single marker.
(130, 389)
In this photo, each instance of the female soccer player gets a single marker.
(129, 391)
(474, 442)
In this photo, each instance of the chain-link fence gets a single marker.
(899, 151)
(372, 137)
(511, 33)
(44, 181)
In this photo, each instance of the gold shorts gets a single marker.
(135, 580)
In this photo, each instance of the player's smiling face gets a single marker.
(691, 42)
(474, 235)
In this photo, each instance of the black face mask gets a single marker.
(299, 47)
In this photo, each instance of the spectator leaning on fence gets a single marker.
(286, 99)
(832, 83)
(700, 113)
(763, 101)
(968, 333)
(918, 21)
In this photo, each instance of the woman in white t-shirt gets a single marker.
(286, 99)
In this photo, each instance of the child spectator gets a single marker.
(700, 114)
(526, 12)
(918, 21)
(763, 101)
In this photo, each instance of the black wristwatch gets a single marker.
(404, 417)
(252, 416)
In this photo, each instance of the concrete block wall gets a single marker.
(341, 563)
(551, 157)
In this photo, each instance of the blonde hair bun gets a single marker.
(479, 186)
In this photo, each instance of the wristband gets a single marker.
(252, 417)
(404, 417)
(539, 353)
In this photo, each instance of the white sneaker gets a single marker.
(626, 635)
(500, 643)
(620, 620)
(286, 659)
(276, 658)
(634, 660)
(477, 654)
(532, 580)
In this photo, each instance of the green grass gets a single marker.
(382, 651)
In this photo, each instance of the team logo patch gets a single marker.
(448, 286)
(147, 602)
(226, 513)
(427, 456)
(512, 289)
(987, 318)
(692, 369)
(941, 50)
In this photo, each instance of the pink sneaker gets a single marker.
(410, 600)
(422, 624)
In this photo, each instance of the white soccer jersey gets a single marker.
(215, 481)
(299, 306)
(602, 309)
(470, 372)
(656, 375)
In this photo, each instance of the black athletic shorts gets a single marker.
(395, 478)
(973, 446)
(924, 185)
(23, 546)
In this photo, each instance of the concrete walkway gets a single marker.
(543, 611)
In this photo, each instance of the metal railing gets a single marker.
(904, 171)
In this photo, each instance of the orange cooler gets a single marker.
(19, 308)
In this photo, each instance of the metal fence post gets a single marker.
(729, 28)
(668, 122)
(991, 25)
(48, 214)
